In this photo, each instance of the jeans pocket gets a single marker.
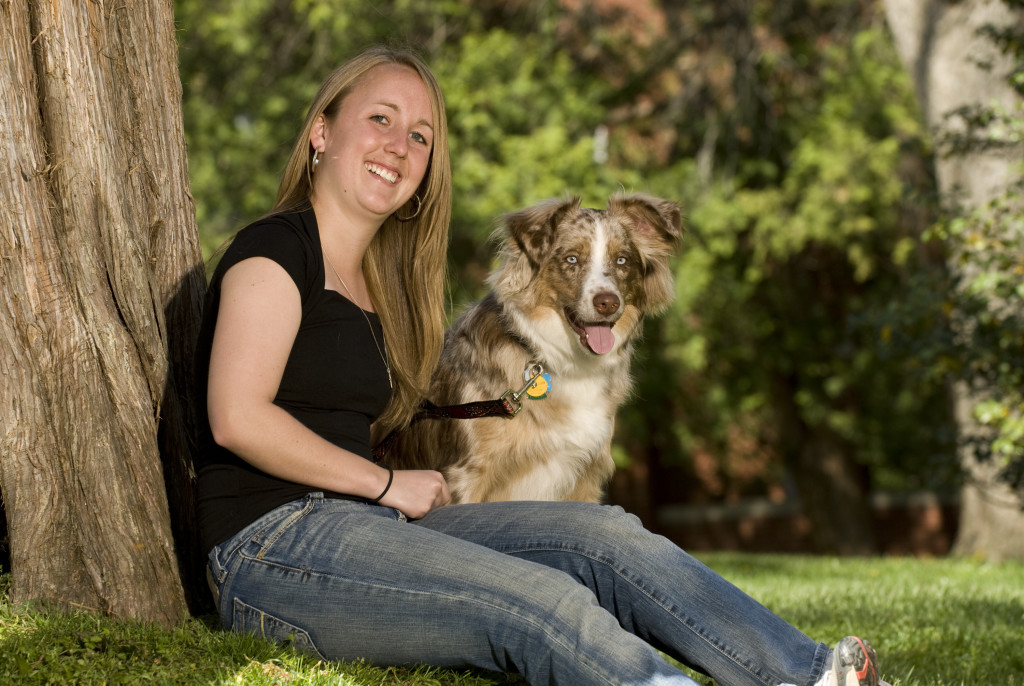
(248, 619)
(267, 537)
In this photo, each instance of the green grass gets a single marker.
(934, 622)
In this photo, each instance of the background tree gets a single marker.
(101, 279)
(967, 61)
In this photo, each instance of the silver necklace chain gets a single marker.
(383, 355)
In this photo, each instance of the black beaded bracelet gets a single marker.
(391, 477)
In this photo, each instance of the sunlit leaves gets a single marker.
(988, 313)
(789, 285)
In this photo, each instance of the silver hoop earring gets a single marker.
(419, 206)
(316, 161)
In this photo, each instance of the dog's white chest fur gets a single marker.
(554, 440)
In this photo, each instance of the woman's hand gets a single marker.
(415, 492)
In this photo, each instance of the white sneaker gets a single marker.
(853, 664)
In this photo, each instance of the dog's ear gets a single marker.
(528, 235)
(533, 228)
(653, 219)
(656, 226)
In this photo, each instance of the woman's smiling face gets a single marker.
(374, 152)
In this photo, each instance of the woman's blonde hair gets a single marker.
(405, 265)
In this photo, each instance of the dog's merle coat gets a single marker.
(570, 293)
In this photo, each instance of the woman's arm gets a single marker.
(258, 319)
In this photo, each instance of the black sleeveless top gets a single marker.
(334, 382)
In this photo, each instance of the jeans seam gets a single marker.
(684, 620)
(507, 609)
(820, 665)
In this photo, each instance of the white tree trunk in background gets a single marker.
(953, 64)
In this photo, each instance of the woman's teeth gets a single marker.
(383, 173)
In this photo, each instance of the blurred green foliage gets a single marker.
(986, 302)
(797, 270)
(788, 132)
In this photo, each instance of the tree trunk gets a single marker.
(100, 257)
(954, 65)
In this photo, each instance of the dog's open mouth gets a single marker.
(596, 337)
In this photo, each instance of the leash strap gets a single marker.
(508, 405)
(502, 407)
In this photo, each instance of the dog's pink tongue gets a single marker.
(600, 338)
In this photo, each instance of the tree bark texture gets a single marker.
(101, 281)
(953, 64)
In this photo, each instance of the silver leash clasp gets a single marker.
(531, 377)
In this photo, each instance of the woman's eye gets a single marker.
(420, 138)
(379, 118)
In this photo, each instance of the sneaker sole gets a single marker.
(854, 662)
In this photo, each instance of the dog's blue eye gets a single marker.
(621, 260)
(571, 259)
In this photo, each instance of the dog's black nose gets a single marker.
(606, 303)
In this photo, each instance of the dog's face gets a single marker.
(589, 273)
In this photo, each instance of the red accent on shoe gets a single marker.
(868, 664)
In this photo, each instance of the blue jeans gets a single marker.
(563, 593)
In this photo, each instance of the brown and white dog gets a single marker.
(567, 299)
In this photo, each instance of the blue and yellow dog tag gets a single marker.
(540, 387)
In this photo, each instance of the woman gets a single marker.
(325, 317)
